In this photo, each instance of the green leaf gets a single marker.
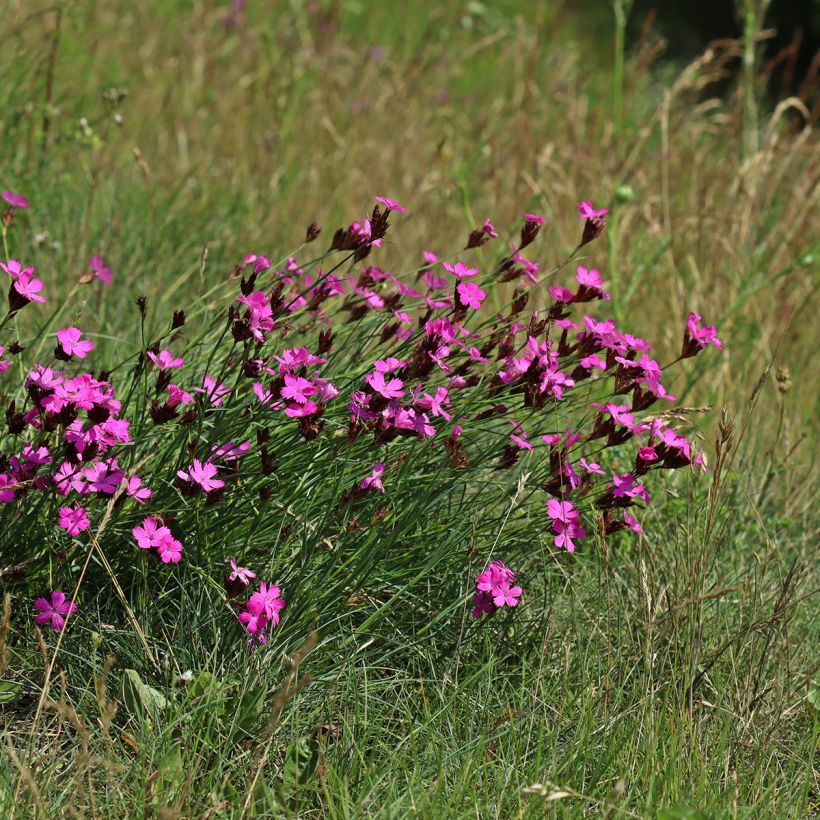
(205, 684)
(10, 691)
(140, 699)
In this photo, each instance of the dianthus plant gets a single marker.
(330, 374)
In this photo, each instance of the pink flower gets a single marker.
(560, 294)
(170, 550)
(460, 270)
(13, 268)
(470, 294)
(213, 391)
(134, 488)
(591, 467)
(297, 389)
(54, 610)
(165, 360)
(632, 523)
(494, 590)
(392, 389)
(696, 337)
(202, 474)
(176, 395)
(253, 618)
(240, 573)
(103, 273)
(534, 218)
(586, 211)
(270, 600)
(260, 263)
(591, 285)
(28, 287)
(15, 200)
(566, 533)
(374, 480)
(505, 595)
(150, 533)
(391, 204)
(73, 520)
(561, 511)
(72, 344)
(5, 364)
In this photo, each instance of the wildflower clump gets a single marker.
(376, 390)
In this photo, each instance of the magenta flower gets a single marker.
(15, 200)
(391, 204)
(240, 574)
(28, 287)
(374, 480)
(297, 389)
(566, 534)
(470, 295)
(150, 533)
(253, 618)
(696, 337)
(165, 360)
(214, 392)
(170, 550)
(135, 489)
(392, 389)
(270, 599)
(460, 270)
(505, 595)
(494, 590)
(561, 511)
(632, 523)
(591, 285)
(586, 211)
(202, 474)
(535, 219)
(98, 268)
(52, 612)
(73, 344)
(14, 268)
(176, 395)
(73, 520)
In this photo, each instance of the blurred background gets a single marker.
(148, 132)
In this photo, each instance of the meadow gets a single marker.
(199, 186)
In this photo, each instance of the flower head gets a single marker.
(470, 295)
(391, 204)
(202, 474)
(99, 269)
(697, 336)
(52, 612)
(73, 520)
(15, 200)
(240, 574)
(374, 480)
(72, 343)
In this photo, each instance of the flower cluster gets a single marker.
(494, 589)
(430, 373)
(153, 534)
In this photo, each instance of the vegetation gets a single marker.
(266, 388)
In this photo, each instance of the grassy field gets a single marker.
(672, 675)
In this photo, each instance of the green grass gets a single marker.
(669, 675)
